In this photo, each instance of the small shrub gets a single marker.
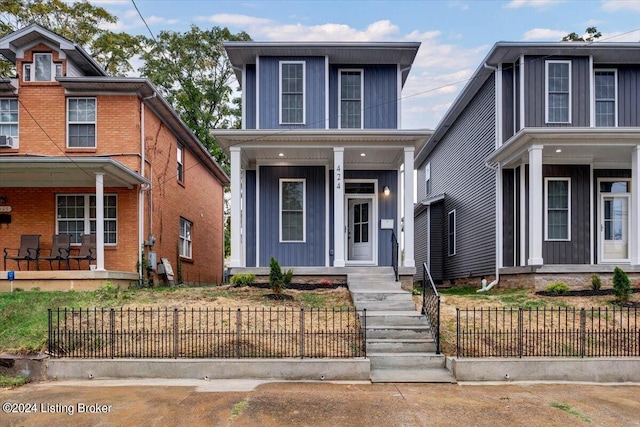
(596, 283)
(244, 279)
(558, 288)
(621, 285)
(277, 279)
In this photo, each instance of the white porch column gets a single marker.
(236, 209)
(409, 257)
(338, 207)
(634, 229)
(535, 205)
(100, 221)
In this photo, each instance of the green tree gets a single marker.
(621, 285)
(591, 34)
(81, 22)
(193, 73)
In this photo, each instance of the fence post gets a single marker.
(364, 337)
(112, 330)
(583, 331)
(49, 332)
(457, 332)
(238, 332)
(520, 331)
(302, 333)
(176, 341)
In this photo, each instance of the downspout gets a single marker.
(496, 169)
(143, 188)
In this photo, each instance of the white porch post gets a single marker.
(634, 229)
(338, 207)
(409, 257)
(236, 209)
(100, 221)
(535, 205)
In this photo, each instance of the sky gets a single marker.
(456, 35)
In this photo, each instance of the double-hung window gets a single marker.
(9, 119)
(180, 161)
(185, 238)
(76, 215)
(292, 210)
(81, 122)
(558, 91)
(605, 82)
(558, 208)
(451, 233)
(351, 99)
(292, 97)
(427, 179)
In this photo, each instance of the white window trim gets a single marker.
(190, 256)
(304, 92)
(180, 161)
(87, 214)
(95, 122)
(546, 209)
(15, 141)
(455, 237)
(615, 100)
(32, 67)
(361, 71)
(304, 209)
(546, 89)
(427, 179)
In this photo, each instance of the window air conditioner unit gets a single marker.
(6, 141)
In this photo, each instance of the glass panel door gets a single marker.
(615, 227)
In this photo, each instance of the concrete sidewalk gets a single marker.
(259, 403)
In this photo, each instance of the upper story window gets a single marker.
(180, 162)
(9, 120)
(81, 122)
(292, 210)
(558, 91)
(606, 83)
(558, 209)
(351, 99)
(427, 179)
(42, 69)
(292, 97)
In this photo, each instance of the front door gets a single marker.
(360, 230)
(614, 220)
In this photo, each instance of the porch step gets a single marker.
(398, 332)
(371, 306)
(437, 375)
(400, 345)
(381, 295)
(396, 318)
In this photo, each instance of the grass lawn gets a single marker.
(23, 315)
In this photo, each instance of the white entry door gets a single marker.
(360, 238)
(614, 227)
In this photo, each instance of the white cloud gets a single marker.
(616, 37)
(618, 5)
(234, 20)
(544, 34)
(537, 4)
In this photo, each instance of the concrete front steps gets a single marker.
(400, 343)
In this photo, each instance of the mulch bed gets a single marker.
(582, 293)
(302, 286)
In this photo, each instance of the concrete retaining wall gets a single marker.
(280, 369)
(600, 370)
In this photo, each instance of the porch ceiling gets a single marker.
(65, 172)
(596, 146)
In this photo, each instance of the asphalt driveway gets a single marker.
(250, 403)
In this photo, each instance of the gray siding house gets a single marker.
(316, 169)
(534, 172)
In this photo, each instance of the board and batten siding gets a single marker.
(250, 216)
(508, 107)
(269, 99)
(308, 253)
(628, 90)
(250, 97)
(380, 95)
(458, 170)
(534, 98)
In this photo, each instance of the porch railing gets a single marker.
(548, 332)
(206, 333)
(394, 253)
(431, 304)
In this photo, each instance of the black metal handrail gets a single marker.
(394, 253)
(281, 332)
(431, 304)
(548, 332)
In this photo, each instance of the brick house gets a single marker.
(69, 134)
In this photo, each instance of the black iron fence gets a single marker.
(206, 333)
(431, 304)
(548, 332)
(395, 248)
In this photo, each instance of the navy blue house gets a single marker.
(316, 170)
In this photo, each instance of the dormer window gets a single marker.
(42, 69)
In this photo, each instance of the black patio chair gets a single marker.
(87, 249)
(60, 250)
(29, 251)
